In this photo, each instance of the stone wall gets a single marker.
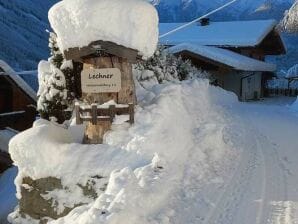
(33, 204)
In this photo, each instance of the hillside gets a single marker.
(180, 10)
(23, 37)
(23, 40)
(290, 22)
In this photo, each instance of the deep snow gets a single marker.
(8, 201)
(131, 23)
(174, 122)
(195, 155)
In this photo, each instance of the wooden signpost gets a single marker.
(105, 78)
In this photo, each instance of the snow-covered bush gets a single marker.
(168, 67)
(56, 84)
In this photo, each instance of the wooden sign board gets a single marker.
(107, 80)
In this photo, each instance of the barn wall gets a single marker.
(229, 80)
(5, 96)
(20, 100)
(251, 86)
(244, 84)
(12, 98)
(14, 102)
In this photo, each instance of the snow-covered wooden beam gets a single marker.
(98, 48)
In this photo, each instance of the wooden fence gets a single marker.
(281, 92)
(95, 113)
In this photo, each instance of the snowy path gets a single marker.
(275, 131)
(263, 187)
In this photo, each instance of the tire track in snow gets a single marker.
(274, 176)
(276, 189)
(225, 208)
(264, 184)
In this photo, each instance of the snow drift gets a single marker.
(131, 23)
(7, 193)
(294, 106)
(180, 129)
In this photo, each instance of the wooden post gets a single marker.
(78, 114)
(112, 112)
(95, 131)
(131, 113)
(94, 113)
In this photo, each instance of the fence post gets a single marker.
(78, 114)
(112, 112)
(94, 113)
(131, 113)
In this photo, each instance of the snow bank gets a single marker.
(5, 136)
(130, 23)
(8, 199)
(294, 106)
(180, 128)
(51, 153)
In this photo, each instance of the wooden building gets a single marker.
(17, 100)
(233, 52)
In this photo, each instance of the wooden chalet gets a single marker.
(233, 52)
(17, 109)
(17, 100)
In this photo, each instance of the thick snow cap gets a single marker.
(129, 23)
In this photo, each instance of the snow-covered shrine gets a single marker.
(107, 37)
(234, 52)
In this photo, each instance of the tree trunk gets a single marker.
(94, 133)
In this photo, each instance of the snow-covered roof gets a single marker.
(292, 72)
(232, 33)
(17, 79)
(130, 23)
(5, 136)
(31, 78)
(223, 56)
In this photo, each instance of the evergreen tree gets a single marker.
(56, 84)
(168, 67)
(290, 21)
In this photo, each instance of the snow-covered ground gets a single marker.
(195, 155)
(8, 201)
